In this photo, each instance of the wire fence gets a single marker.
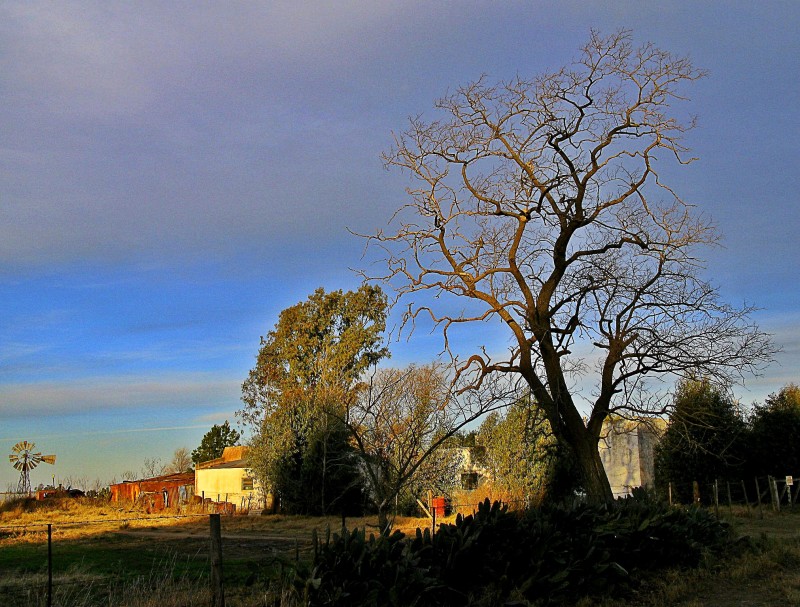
(758, 493)
(49, 576)
(55, 569)
(100, 521)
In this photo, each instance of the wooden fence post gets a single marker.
(782, 493)
(669, 489)
(49, 565)
(217, 590)
(432, 511)
(758, 496)
(746, 500)
(773, 491)
(730, 501)
(695, 492)
(716, 497)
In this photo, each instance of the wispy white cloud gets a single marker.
(217, 417)
(141, 430)
(109, 393)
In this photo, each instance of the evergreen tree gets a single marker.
(214, 443)
(704, 440)
(773, 438)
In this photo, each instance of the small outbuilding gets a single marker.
(55, 492)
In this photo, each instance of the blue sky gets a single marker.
(173, 174)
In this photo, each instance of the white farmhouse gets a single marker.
(228, 479)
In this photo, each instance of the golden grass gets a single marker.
(27, 520)
(763, 570)
(75, 519)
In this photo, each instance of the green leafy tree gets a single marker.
(214, 442)
(703, 442)
(520, 452)
(307, 375)
(774, 436)
(542, 205)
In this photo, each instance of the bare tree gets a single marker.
(400, 424)
(153, 467)
(544, 202)
(181, 461)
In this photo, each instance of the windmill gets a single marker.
(24, 459)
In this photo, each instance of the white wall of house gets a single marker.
(213, 482)
(627, 453)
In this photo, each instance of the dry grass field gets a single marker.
(104, 554)
(110, 554)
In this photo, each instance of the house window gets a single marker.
(469, 480)
(247, 484)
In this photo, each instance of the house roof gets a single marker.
(181, 477)
(232, 457)
(217, 464)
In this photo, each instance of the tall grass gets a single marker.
(762, 568)
(163, 586)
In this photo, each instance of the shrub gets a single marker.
(546, 555)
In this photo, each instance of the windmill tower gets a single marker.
(24, 459)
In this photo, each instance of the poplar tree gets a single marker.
(307, 376)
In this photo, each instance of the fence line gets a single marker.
(774, 491)
(47, 586)
(215, 553)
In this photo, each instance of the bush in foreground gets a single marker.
(547, 555)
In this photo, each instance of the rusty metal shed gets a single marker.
(158, 493)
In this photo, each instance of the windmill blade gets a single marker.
(49, 459)
(36, 457)
(23, 446)
(13, 457)
(19, 465)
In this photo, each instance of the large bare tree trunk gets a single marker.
(589, 470)
(595, 479)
